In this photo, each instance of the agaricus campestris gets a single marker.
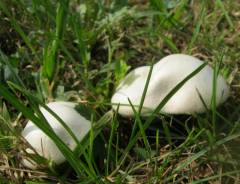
(43, 145)
(166, 74)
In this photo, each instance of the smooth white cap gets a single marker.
(43, 145)
(166, 74)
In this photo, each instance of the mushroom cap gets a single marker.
(131, 87)
(166, 74)
(42, 144)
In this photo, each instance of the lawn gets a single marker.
(79, 51)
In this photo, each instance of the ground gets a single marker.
(80, 50)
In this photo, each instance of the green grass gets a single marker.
(79, 51)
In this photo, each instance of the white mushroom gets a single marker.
(43, 145)
(166, 74)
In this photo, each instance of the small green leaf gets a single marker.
(121, 68)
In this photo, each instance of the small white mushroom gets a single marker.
(166, 74)
(43, 145)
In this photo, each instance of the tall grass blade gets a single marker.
(109, 148)
(142, 131)
(141, 102)
(197, 28)
(221, 5)
(50, 58)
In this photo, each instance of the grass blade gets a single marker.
(50, 58)
(197, 28)
(221, 5)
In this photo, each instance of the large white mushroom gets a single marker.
(166, 74)
(43, 145)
